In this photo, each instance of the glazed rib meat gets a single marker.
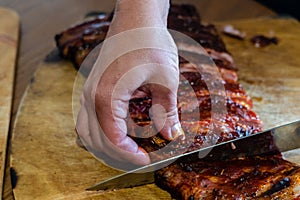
(239, 120)
(77, 42)
(256, 177)
(259, 176)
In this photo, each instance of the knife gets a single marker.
(279, 139)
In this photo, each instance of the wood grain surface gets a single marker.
(9, 32)
(50, 165)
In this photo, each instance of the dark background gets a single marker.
(283, 7)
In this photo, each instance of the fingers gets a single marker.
(114, 139)
(163, 86)
(111, 104)
(164, 112)
(121, 147)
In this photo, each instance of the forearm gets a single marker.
(130, 14)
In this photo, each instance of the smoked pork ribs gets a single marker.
(255, 177)
(245, 177)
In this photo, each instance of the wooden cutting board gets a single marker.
(49, 164)
(9, 33)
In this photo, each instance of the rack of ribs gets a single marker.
(262, 176)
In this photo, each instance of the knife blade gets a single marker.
(279, 139)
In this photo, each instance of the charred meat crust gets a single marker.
(257, 177)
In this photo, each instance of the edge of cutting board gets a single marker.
(9, 35)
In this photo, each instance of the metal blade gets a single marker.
(126, 180)
(279, 139)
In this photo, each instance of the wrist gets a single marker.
(145, 5)
(142, 13)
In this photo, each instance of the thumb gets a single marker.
(164, 112)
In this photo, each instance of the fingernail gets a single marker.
(177, 132)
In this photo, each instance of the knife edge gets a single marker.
(126, 180)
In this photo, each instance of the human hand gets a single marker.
(134, 55)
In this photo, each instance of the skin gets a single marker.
(111, 103)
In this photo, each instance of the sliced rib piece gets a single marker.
(257, 177)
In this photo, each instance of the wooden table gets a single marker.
(41, 20)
